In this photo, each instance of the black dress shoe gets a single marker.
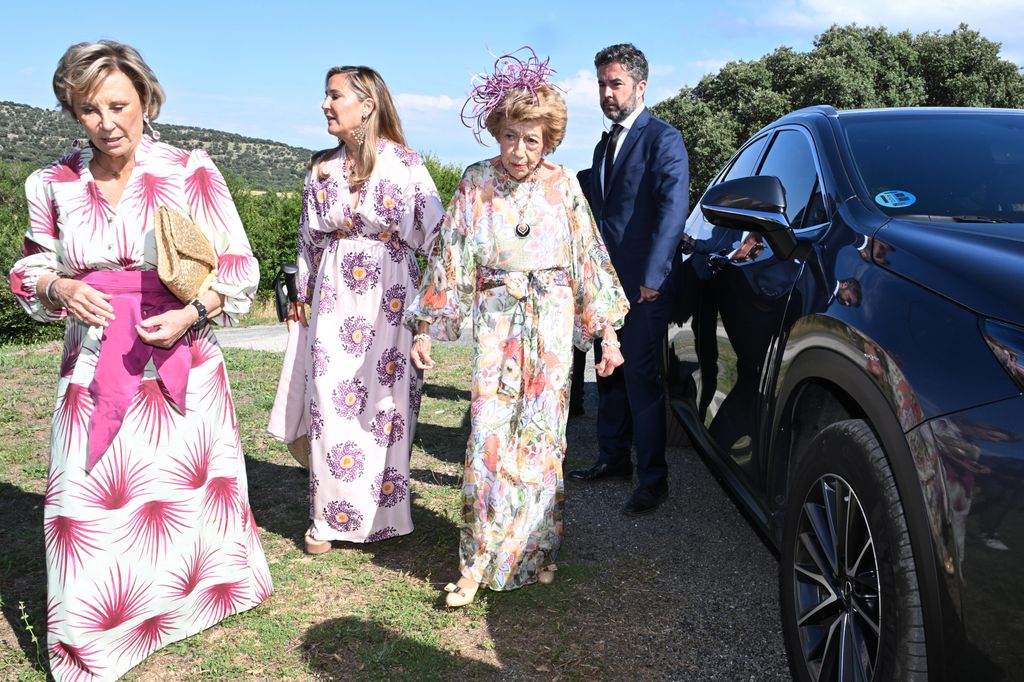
(645, 499)
(601, 470)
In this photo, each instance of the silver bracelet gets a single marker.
(611, 343)
(48, 290)
(420, 337)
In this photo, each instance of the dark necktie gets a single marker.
(609, 155)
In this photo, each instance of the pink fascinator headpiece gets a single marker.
(510, 73)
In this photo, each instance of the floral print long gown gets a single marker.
(531, 297)
(360, 269)
(157, 541)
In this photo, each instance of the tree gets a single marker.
(849, 67)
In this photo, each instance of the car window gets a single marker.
(964, 166)
(791, 160)
(746, 160)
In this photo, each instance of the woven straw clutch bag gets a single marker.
(185, 259)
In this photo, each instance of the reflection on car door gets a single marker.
(742, 291)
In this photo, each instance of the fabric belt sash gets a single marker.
(525, 287)
(123, 356)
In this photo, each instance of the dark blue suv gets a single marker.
(848, 357)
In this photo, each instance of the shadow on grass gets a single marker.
(429, 553)
(445, 443)
(432, 477)
(23, 568)
(438, 392)
(279, 499)
(352, 648)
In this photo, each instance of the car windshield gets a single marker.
(938, 165)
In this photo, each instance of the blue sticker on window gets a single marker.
(895, 198)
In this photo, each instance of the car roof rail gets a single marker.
(826, 109)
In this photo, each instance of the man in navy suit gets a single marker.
(638, 192)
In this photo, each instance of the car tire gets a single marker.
(838, 589)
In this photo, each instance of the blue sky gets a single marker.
(256, 68)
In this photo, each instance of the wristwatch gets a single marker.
(201, 309)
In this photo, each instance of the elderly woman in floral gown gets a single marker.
(520, 252)
(149, 533)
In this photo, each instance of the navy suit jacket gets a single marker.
(643, 217)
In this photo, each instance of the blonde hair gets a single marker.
(520, 106)
(84, 65)
(382, 123)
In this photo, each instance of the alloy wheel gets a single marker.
(836, 585)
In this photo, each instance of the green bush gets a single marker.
(445, 175)
(271, 222)
(16, 325)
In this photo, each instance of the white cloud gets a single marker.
(661, 70)
(706, 66)
(1015, 54)
(410, 102)
(996, 19)
(580, 90)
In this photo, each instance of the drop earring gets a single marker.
(155, 134)
(360, 133)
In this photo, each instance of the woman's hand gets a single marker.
(297, 314)
(611, 356)
(165, 329)
(610, 359)
(82, 301)
(420, 353)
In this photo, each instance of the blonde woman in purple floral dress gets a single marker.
(369, 205)
(519, 252)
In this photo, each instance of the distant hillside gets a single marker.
(39, 136)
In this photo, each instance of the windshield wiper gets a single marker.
(977, 219)
(952, 218)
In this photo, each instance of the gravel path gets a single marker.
(703, 601)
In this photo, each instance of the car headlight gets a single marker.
(1007, 344)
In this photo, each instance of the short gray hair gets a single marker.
(84, 65)
(627, 54)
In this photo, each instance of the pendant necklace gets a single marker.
(522, 227)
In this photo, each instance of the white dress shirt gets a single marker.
(627, 123)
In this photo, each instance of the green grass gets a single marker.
(360, 612)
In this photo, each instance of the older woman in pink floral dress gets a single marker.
(519, 252)
(369, 206)
(149, 533)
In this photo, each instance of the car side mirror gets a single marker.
(753, 204)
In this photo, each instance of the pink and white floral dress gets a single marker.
(156, 541)
(359, 270)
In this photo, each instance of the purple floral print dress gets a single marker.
(360, 271)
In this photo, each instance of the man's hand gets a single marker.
(647, 295)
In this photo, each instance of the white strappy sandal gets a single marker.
(459, 596)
